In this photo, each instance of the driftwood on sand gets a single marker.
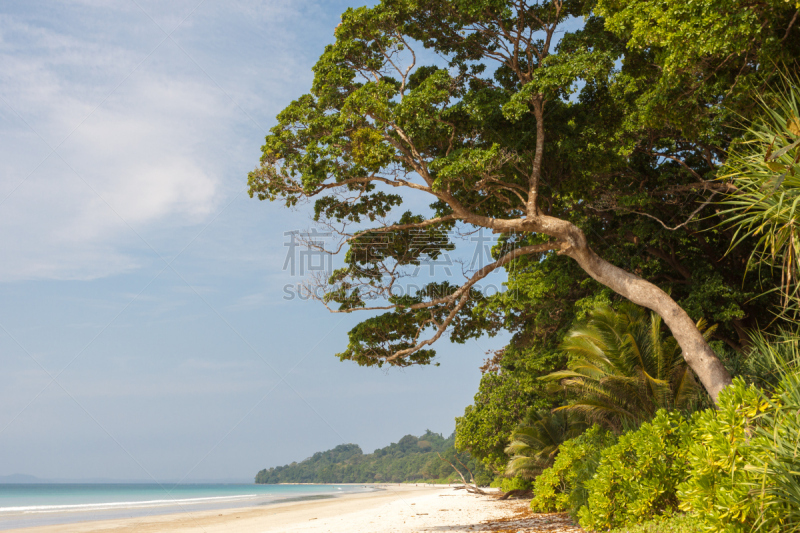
(469, 487)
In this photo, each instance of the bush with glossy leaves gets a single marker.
(637, 478)
(726, 458)
(561, 487)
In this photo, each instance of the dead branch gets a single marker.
(689, 219)
(472, 488)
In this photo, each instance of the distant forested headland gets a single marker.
(410, 459)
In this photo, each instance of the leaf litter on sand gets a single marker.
(523, 520)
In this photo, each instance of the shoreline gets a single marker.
(245, 519)
(44, 507)
(396, 509)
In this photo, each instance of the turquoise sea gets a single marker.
(28, 505)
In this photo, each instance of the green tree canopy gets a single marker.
(548, 142)
(502, 401)
(408, 460)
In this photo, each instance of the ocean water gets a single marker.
(28, 505)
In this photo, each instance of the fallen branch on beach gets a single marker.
(469, 487)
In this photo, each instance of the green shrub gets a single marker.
(511, 483)
(637, 477)
(482, 479)
(561, 487)
(726, 458)
(678, 523)
(780, 435)
(780, 429)
(551, 487)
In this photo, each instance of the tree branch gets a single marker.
(469, 487)
(461, 294)
(679, 226)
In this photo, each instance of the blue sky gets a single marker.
(143, 330)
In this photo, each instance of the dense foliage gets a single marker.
(535, 443)
(764, 167)
(735, 468)
(597, 139)
(410, 459)
(780, 430)
(637, 478)
(502, 402)
(622, 369)
(723, 444)
(782, 458)
(744, 466)
(562, 487)
(678, 523)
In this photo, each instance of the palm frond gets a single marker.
(765, 170)
(622, 368)
(534, 445)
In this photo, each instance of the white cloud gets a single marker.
(139, 156)
(164, 137)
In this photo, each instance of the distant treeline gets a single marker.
(410, 459)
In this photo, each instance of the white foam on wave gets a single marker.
(121, 505)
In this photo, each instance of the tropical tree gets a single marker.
(508, 391)
(491, 133)
(534, 444)
(622, 368)
(499, 406)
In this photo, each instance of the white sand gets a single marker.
(403, 509)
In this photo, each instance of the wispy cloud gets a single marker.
(141, 126)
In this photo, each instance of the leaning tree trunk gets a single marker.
(572, 242)
(696, 351)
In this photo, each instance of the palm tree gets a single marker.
(534, 445)
(622, 369)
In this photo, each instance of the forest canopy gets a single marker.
(410, 459)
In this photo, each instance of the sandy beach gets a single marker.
(397, 509)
